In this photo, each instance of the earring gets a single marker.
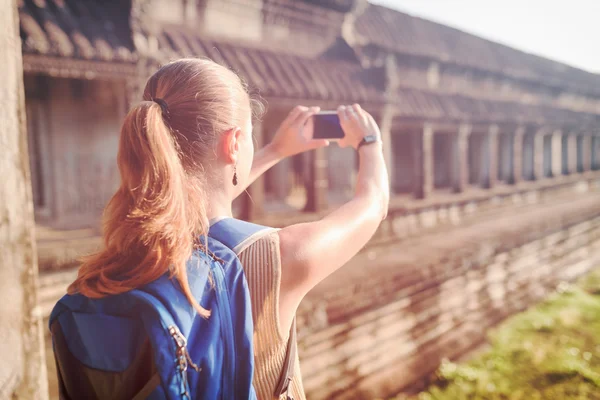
(234, 175)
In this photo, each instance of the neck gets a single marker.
(219, 204)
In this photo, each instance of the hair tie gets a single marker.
(163, 105)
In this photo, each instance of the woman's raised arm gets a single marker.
(312, 251)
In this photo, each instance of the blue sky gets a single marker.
(566, 31)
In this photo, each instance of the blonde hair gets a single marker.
(156, 218)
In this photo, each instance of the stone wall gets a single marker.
(385, 321)
(22, 369)
(74, 141)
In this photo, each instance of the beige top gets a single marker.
(262, 265)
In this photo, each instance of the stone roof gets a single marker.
(97, 34)
(94, 30)
(338, 5)
(418, 103)
(403, 33)
(276, 74)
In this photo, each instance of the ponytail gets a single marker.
(153, 222)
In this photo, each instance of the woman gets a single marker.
(203, 162)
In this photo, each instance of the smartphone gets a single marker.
(327, 126)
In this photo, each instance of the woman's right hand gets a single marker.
(356, 123)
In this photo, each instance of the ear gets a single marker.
(230, 144)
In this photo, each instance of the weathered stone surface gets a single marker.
(390, 315)
(407, 217)
(22, 368)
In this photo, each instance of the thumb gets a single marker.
(319, 143)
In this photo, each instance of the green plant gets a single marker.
(550, 352)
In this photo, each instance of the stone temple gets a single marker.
(493, 153)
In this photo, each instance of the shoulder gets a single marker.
(265, 242)
(263, 236)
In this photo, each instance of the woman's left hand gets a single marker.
(294, 135)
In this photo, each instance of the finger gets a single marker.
(311, 111)
(343, 113)
(304, 116)
(372, 121)
(297, 111)
(315, 144)
(360, 112)
(345, 122)
(307, 131)
(352, 111)
(293, 115)
(353, 116)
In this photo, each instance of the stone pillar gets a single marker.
(423, 156)
(556, 144)
(134, 87)
(505, 160)
(254, 198)
(316, 190)
(538, 154)
(586, 152)
(190, 11)
(517, 161)
(572, 152)
(460, 165)
(22, 365)
(595, 157)
(489, 170)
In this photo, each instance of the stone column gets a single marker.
(595, 157)
(460, 165)
(538, 154)
(316, 191)
(556, 145)
(517, 161)
(586, 152)
(254, 198)
(133, 93)
(489, 170)
(22, 365)
(572, 152)
(190, 11)
(505, 160)
(423, 156)
(134, 87)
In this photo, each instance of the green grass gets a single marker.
(551, 351)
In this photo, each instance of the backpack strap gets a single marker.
(287, 374)
(238, 235)
(148, 388)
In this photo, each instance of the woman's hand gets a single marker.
(356, 123)
(294, 135)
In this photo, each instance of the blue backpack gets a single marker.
(149, 343)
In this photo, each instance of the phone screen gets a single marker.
(327, 126)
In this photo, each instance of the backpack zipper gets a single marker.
(183, 357)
